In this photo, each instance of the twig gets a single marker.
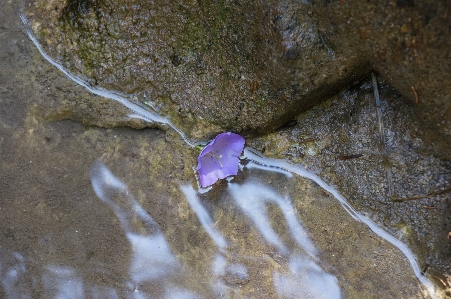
(439, 279)
(440, 192)
(416, 95)
(426, 268)
(382, 136)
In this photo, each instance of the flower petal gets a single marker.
(219, 159)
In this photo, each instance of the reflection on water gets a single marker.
(155, 271)
(153, 260)
(204, 218)
(299, 170)
(303, 278)
(13, 274)
(153, 263)
(62, 282)
(252, 197)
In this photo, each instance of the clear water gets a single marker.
(259, 235)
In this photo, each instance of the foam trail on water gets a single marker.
(257, 160)
(256, 157)
(152, 257)
(202, 215)
(138, 112)
(252, 197)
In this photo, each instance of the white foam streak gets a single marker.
(296, 230)
(152, 257)
(122, 98)
(301, 171)
(62, 282)
(252, 198)
(202, 215)
(252, 165)
(251, 202)
(305, 280)
(253, 155)
(116, 194)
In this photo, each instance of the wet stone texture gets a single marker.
(211, 66)
(52, 218)
(406, 42)
(339, 140)
(233, 66)
(251, 67)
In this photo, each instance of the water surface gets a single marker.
(117, 213)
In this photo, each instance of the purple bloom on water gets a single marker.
(219, 159)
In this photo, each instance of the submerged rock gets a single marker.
(339, 140)
(249, 67)
(406, 43)
(212, 66)
(53, 221)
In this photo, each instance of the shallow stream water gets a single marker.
(117, 213)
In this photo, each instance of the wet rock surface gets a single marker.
(244, 67)
(53, 222)
(338, 139)
(406, 42)
(247, 67)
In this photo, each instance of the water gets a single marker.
(133, 226)
(154, 262)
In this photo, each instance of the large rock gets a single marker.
(238, 66)
(60, 153)
(339, 139)
(407, 44)
(251, 67)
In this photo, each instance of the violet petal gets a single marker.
(219, 159)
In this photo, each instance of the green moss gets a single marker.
(197, 36)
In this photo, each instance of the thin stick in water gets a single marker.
(382, 146)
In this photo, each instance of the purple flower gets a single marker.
(219, 159)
